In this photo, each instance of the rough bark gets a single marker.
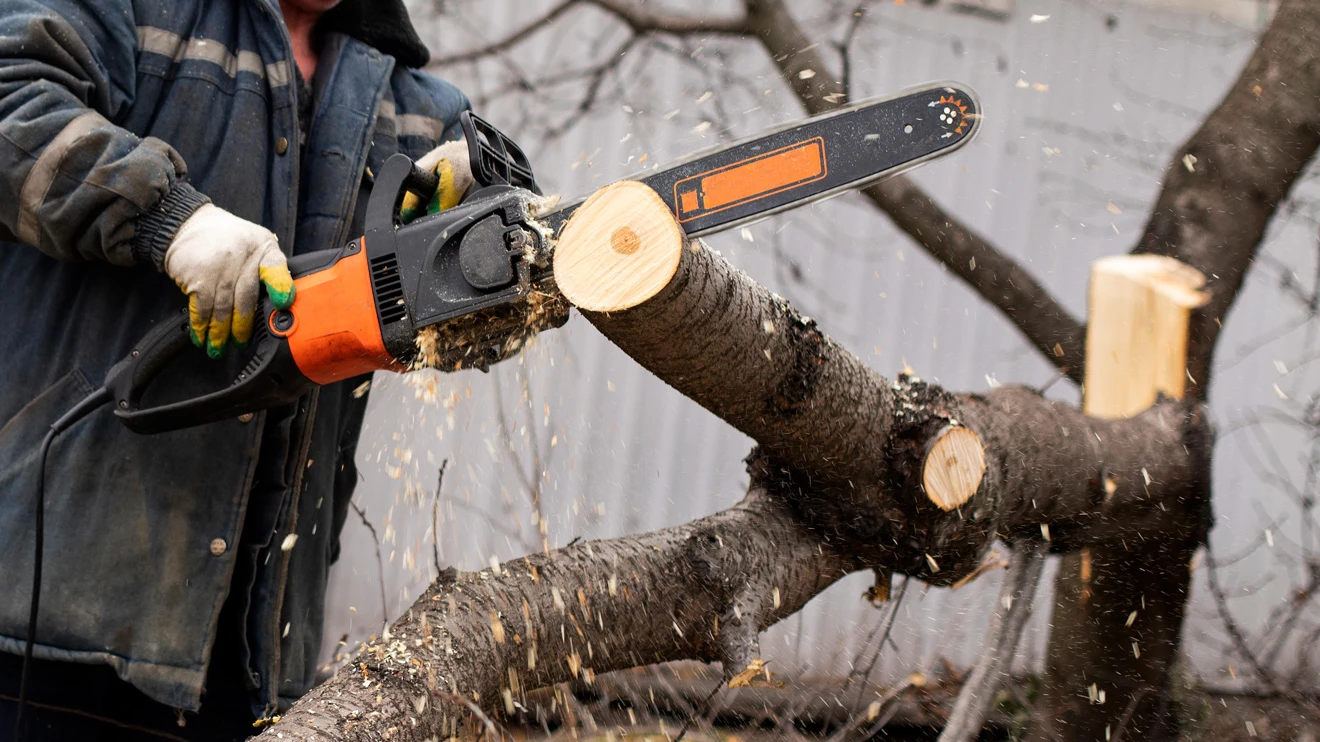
(809, 402)
(488, 637)
(835, 489)
(1220, 191)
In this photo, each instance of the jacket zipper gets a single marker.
(272, 686)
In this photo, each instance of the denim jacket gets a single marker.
(114, 114)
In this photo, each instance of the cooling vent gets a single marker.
(389, 288)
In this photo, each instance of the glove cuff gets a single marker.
(155, 229)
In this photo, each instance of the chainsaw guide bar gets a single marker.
(808, 161)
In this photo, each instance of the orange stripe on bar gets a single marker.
(751, 179)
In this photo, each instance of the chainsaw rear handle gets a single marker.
(331, 332)
(271, 376)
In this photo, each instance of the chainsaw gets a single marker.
(358, 308)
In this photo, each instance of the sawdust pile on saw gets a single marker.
(484, 338)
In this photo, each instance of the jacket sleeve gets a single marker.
(72, 183)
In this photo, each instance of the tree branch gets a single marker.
(540, 23)
(643, 19)
(989, 271)
(1222, 187)
(640, 19)
(490, 636)
(1012, 609)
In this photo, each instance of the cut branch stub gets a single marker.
(619, 249)
(953, 468)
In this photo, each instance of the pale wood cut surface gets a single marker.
(953, 468)
(1136, 344)
(619, 249)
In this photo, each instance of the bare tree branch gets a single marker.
(540, 23)
(1223, 186)
(643, 19)
(991, 272)
(1012, 610)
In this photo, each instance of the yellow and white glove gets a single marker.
(450, 163)
(220, 262)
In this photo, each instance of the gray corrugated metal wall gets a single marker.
(618, 452)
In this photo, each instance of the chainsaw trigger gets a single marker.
(484, 256)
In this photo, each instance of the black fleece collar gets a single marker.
(381, 24)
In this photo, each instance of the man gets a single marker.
(148, 147)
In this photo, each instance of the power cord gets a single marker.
(79, 411)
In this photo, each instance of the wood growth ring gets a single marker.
(619, 249)
(954, 467)
(625, 241)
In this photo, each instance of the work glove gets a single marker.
(451, 165)
(220, 262)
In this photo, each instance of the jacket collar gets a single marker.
(382, 24)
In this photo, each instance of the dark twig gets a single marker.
(642, 19)
(884, 636)
(380, 565)
(844, 47)
(699, 711)
(1240, 640)
(1128, 713)
(541, 22)
(435, 516)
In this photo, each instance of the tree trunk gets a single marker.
(1220, 192)
(1116, 631)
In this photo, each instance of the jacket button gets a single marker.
(246, 417)
(218, 546)
(281, 145)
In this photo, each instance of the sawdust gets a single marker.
(484, 338)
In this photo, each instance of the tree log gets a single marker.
(815, 406)
(698, 591)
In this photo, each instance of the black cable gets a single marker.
(79, 411)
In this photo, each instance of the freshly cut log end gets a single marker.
(1136, 338)
(954, 467)
(620, 248)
